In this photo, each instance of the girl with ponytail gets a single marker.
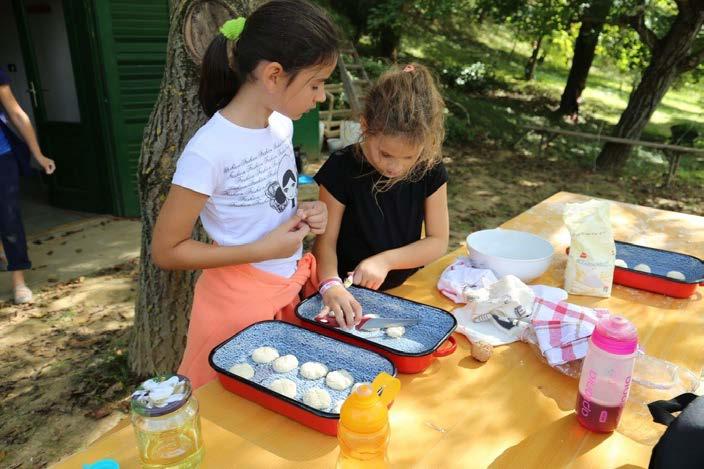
(238, 174)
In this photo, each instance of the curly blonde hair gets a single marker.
(405, 102)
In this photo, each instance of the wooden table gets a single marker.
(513, 411)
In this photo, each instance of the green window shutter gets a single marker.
(132, 36)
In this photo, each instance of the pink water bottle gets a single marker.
(606, 374)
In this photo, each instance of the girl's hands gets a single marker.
(315, 215)
(283, 241)
(347, 311)
(371, 272)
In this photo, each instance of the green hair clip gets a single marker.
(233, 28)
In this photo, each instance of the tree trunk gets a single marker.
(533, 61)
(669, 60)
(389, 41)
(164, 300)
(584, 49)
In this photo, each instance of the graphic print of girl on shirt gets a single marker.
(280, 194)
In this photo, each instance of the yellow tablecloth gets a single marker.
(513, 411)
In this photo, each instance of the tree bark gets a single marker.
(671, 57)
(584, 50)
(533, 60)
(164, 300)
(388, 44)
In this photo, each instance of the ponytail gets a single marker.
(218, 81)
(295, 33)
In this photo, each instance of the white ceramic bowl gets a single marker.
(518, 253)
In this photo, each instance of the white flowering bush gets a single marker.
(476, 77)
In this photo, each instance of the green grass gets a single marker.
(607, 89)
(498, 114)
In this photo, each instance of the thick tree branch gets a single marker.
(637, 22)
(683, 5)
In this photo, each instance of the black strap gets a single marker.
(662, 410)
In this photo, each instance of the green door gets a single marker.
(132, 36)
(52, 34)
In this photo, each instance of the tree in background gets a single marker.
(673, 35)
(357, 13)
(164, 299)
(593, 20)
(385, 21)
(533, 20)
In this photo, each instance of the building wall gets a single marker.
(47, 26)
(11, 55)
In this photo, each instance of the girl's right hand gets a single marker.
(347, 310)
(284, 240)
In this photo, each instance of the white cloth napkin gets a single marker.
(498, 314)
(460, 279)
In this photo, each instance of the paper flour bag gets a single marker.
(590, 264)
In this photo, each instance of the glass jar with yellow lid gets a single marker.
(166, 423)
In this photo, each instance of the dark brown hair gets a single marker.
(405, 102)
(294, 33)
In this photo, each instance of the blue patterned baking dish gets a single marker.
(412, 353)
(306, 345)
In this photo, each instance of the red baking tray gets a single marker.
(307, 345)
(660, 263)
(439, 323)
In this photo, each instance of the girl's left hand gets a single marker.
(315, 215)
(371, 272)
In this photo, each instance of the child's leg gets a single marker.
(11, 228)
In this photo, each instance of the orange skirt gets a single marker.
(228, 299)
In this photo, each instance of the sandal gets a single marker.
(22, 294)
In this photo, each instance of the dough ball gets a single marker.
(676, 274)
(285, 387)
(621, 263)
(317, 398)
(339, 380)
(337, 407)
(285, 364)
(265, 354)
(643, 268)
(244, 370)
(313, 370)
(482, 351)
(356, 385)
(395, 332)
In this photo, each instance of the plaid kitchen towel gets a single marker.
(563, 329)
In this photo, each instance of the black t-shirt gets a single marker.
(375, 222)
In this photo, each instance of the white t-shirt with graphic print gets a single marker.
(251, 179)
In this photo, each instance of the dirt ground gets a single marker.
(64, 368)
